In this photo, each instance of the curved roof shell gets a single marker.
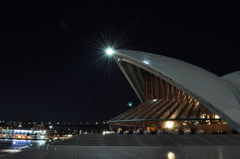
(206, 87)
(233, 82)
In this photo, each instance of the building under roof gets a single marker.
(173, 90)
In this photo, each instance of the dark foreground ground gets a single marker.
(94, 146)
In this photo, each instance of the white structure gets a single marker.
(220, 95)
(233, 81)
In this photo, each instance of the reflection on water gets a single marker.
(11, 150)
(20, 144)
(171, 155)
(8, 146)
(4, 152)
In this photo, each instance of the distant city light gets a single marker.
(109, 51)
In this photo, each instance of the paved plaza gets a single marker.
(94, 146)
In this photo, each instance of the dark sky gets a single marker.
(49, 53)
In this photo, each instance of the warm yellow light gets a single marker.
(171, 155)
(169, 124)
(202, 116)
(217, 117)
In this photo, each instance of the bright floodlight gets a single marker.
(169, 124)
(171, 155)
(109, 51)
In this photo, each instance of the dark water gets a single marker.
(8, 146)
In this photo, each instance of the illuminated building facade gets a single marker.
(23, 134)
(176, 95)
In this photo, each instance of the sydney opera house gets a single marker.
(177, 95)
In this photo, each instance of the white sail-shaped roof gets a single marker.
(233, 82)
(207, 88)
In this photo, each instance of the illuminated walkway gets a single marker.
(138, 146)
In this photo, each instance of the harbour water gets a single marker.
(9, 146)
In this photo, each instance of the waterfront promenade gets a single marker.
(96, 146)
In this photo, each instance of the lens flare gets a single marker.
(109, 51)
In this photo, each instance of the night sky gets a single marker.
(52, 65)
